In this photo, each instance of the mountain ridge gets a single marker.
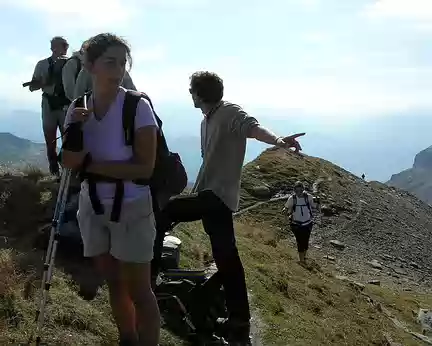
(417, 179)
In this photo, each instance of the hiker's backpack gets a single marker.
(169, 176)
(79, 64)
(305, 196)
(58, 99)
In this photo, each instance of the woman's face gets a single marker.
(109, 69)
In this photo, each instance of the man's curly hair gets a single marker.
(208, 86)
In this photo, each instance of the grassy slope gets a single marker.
(297, 306)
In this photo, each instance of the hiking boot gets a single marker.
(235, 333)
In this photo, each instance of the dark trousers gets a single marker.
(302, 234)
(217, 221)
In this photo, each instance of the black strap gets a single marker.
(94, 199)
(130, 105)
(306, 198)
(118, 199)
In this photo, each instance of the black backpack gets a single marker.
(169, 175)
(58, 99)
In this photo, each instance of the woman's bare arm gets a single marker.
(142, 164)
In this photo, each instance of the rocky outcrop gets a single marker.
(384, 230)
(418, 179)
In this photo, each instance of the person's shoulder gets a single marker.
(231, 107)
(42, 62)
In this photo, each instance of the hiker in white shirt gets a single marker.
(299, 206)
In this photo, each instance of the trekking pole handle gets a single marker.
(85, 102)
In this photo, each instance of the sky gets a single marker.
(356, 75)
(335, 58)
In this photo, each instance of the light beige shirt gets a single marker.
(223, 146)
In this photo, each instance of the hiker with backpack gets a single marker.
(115, 213)
(83, 83)
(71, 71)
(299, 209)
(224, 130)
(47, 76)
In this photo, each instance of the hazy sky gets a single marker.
(334, 58)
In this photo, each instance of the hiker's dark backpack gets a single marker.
(305, 196)
(169, 176)
(57, 100)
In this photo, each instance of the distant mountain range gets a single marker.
(417, 179)
(16, 152)
(377, 146)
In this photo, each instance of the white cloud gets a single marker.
(420, 10)
(95, 14)
(79, 13)
(324, 95)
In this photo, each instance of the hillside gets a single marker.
(417, 179)
(372, 220)
(18, 152)
(329, 303)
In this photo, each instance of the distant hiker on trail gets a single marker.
(225, 129)
(363, 176)
(299, 206)
(71, 71)
(115, 215)
(47, 76)
(84, 83)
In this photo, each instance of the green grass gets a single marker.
(296, 306)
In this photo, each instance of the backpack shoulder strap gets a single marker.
(306, 198)
(79, 65)
(130, 105)
(294, 201)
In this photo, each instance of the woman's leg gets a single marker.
(307, 232)
(132, 244)
(122, 306)
(96, 241)
(297, 234)
(137, 278)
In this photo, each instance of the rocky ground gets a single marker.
(370, 243)
(366, 229)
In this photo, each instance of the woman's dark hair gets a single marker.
(208, 86)
(95, 46)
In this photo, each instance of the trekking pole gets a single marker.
(51, 251)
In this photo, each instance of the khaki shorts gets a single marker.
(52, 119)
(129, 240)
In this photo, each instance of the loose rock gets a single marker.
(376, 264)
(374, 282)
(337, 244)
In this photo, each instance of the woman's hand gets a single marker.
(80, 114)
(73, 160)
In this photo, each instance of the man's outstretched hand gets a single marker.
(291, 142)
